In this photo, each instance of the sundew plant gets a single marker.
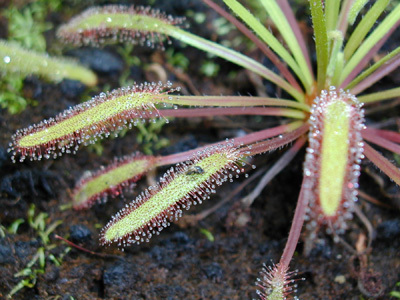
(324, 112)
(14, 60)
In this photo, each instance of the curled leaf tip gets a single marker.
(333, 158)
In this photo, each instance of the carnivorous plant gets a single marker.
(324, 112)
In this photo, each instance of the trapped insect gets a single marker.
(194, 170)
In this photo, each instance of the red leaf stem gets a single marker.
(387, 134)
(276, 142)
(381, 72)
(232, 111)
(382, 163)
(295, 229)
(239, 141)
(375, 138)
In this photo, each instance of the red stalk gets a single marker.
(381, 72)
(278, 166)
(276, 142)
(239, 141)
(343, 18)
(387, 134)
(295, 230)
(382, 163)
(232, 111)
(373, 137)
(236, 101)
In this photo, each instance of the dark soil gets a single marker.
(181, 263)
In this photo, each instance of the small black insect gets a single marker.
(194, 170)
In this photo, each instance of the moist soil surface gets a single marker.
(218, 257)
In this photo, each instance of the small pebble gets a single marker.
(213, 271)
(72, 88)
(389, 229)
(340, 279)
(5, 253)
(99, 60)
(80, 233)
(119, 276)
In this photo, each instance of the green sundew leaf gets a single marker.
(334, 156)
(267, 37)
(332, 14)
(331, 169)
(110, 180)
(336, 38)
(235, 101)
(234, 57)
(355, 10)
(321, 41)
(119, 23)
(373, 38)
(372, 68)
(281, 22)
(14, 59)
(379, 96)
(90, 120)
(337, 69)
(275, 282)
(362, 29)
(189, 183)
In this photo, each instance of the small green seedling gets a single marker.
(37, 264)
(395, 294)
